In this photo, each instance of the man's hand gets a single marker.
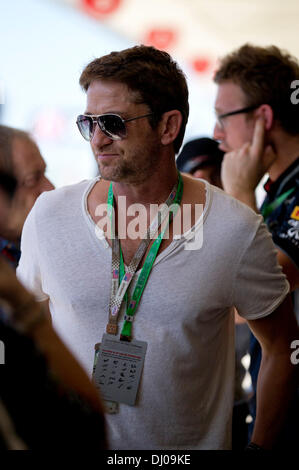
(242, 169)
(278, 377)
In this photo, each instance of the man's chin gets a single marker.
(109, 176)
(112, 173)
(224, 148)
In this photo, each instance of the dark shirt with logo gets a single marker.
(283, 222)
(10, 251)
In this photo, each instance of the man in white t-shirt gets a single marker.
(181, 288)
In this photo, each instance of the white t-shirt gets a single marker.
(185, 314)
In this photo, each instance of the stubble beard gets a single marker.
(134, 170)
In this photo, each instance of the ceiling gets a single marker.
(198, 31)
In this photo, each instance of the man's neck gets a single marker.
(287, 149)
(155, 189)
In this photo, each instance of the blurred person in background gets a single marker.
(46, 399)
(20, 158)
(202, 158)
(257, 126)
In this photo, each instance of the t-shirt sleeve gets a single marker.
(28, 271)
(260, 285)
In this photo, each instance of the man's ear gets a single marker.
(266, 112)
(170, 126)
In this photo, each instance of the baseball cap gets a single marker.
(199, 153)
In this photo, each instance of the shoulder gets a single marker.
(231, 211)
(59, 205)
(65, 192)
(215, 199)
(226, 221)
(64, 197)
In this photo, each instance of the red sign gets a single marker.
(201, 65)
(101, 7)
(161, 38)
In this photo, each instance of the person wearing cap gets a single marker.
(202, 158)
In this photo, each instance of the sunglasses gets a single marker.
(112, 125)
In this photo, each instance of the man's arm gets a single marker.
(46, 309)
(242, 169)
(278, 377)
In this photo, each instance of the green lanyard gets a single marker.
(120, 278)
(269, 208)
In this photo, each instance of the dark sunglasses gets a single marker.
(113, 125)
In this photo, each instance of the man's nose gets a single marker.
(218, 133)
(46, 185)
(99, 139)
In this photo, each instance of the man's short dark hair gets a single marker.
(153, 74)
(265, 75)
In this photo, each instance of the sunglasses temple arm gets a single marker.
(138, 117)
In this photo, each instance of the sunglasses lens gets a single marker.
(85, 126)
(113, 126)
